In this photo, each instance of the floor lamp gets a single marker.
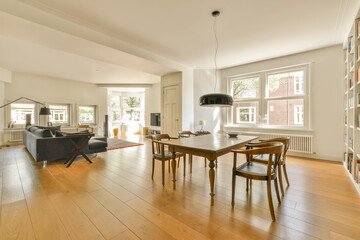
(43, 110)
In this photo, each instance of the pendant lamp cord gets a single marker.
(216, 50)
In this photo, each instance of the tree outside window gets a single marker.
(131, 109)
(87, 114)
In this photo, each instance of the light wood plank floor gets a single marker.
(115, 198)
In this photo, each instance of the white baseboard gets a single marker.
(316, 156)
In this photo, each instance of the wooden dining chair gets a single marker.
(252, 170)
(186, 134)
(264, 159)
(161, 153)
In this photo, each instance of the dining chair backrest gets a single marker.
(183, 134)
(283, 140)
(274, 149)
(156, 146)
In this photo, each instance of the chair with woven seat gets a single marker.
(162, 154)
(264, 158)
(252, 170)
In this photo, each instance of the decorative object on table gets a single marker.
(116, 132)
(106, 126)
(232, 134)
(11, 123)
(202, 123)
(114, 143)
(216, 99)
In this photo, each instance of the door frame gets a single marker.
(171, 80)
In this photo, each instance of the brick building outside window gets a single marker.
(272, 98)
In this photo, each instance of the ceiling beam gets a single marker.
(125, 85)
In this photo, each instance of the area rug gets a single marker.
(114, 143)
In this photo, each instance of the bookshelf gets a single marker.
(352, 103)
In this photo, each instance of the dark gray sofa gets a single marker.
(44, 147)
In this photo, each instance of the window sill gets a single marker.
(237, 127)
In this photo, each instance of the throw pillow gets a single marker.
(53, 129)
(43, 133)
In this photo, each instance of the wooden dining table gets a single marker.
(210, 146)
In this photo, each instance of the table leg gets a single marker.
(212, 179)
(173, 168)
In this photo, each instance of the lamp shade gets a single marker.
(202, 123)
(45, 111)
(216, 100)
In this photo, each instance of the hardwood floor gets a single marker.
(114, 198)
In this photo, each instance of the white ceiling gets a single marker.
(146, 39)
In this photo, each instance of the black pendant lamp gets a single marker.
(45, 111)
(216, 99)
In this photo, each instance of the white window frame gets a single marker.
(68, 123)
(252, 114)
(123, 109)
(111, 109)
(121, 96)
(246, 100)
(263, 100)
(298, 83)
(298, 114)
(95, 114)
(36, 113)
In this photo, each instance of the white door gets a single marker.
(171, 121)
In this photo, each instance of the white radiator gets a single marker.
(12, 136)
(298, 143)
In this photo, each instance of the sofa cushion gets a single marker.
(97, 144)
(33, 129)
(74, 133)
(53, 129)
(43, 133)
(58, 134)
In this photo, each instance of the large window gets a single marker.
(131, 109)
(270, 99)
(60, 114)
(126, 108)
(19, 111)
(245, 115)
(87, 114)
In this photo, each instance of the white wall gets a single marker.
(55, 90)
(2, 102)
(326, 94)
(187, 100)
(204, 83)
(152, 101)
(5, 77)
